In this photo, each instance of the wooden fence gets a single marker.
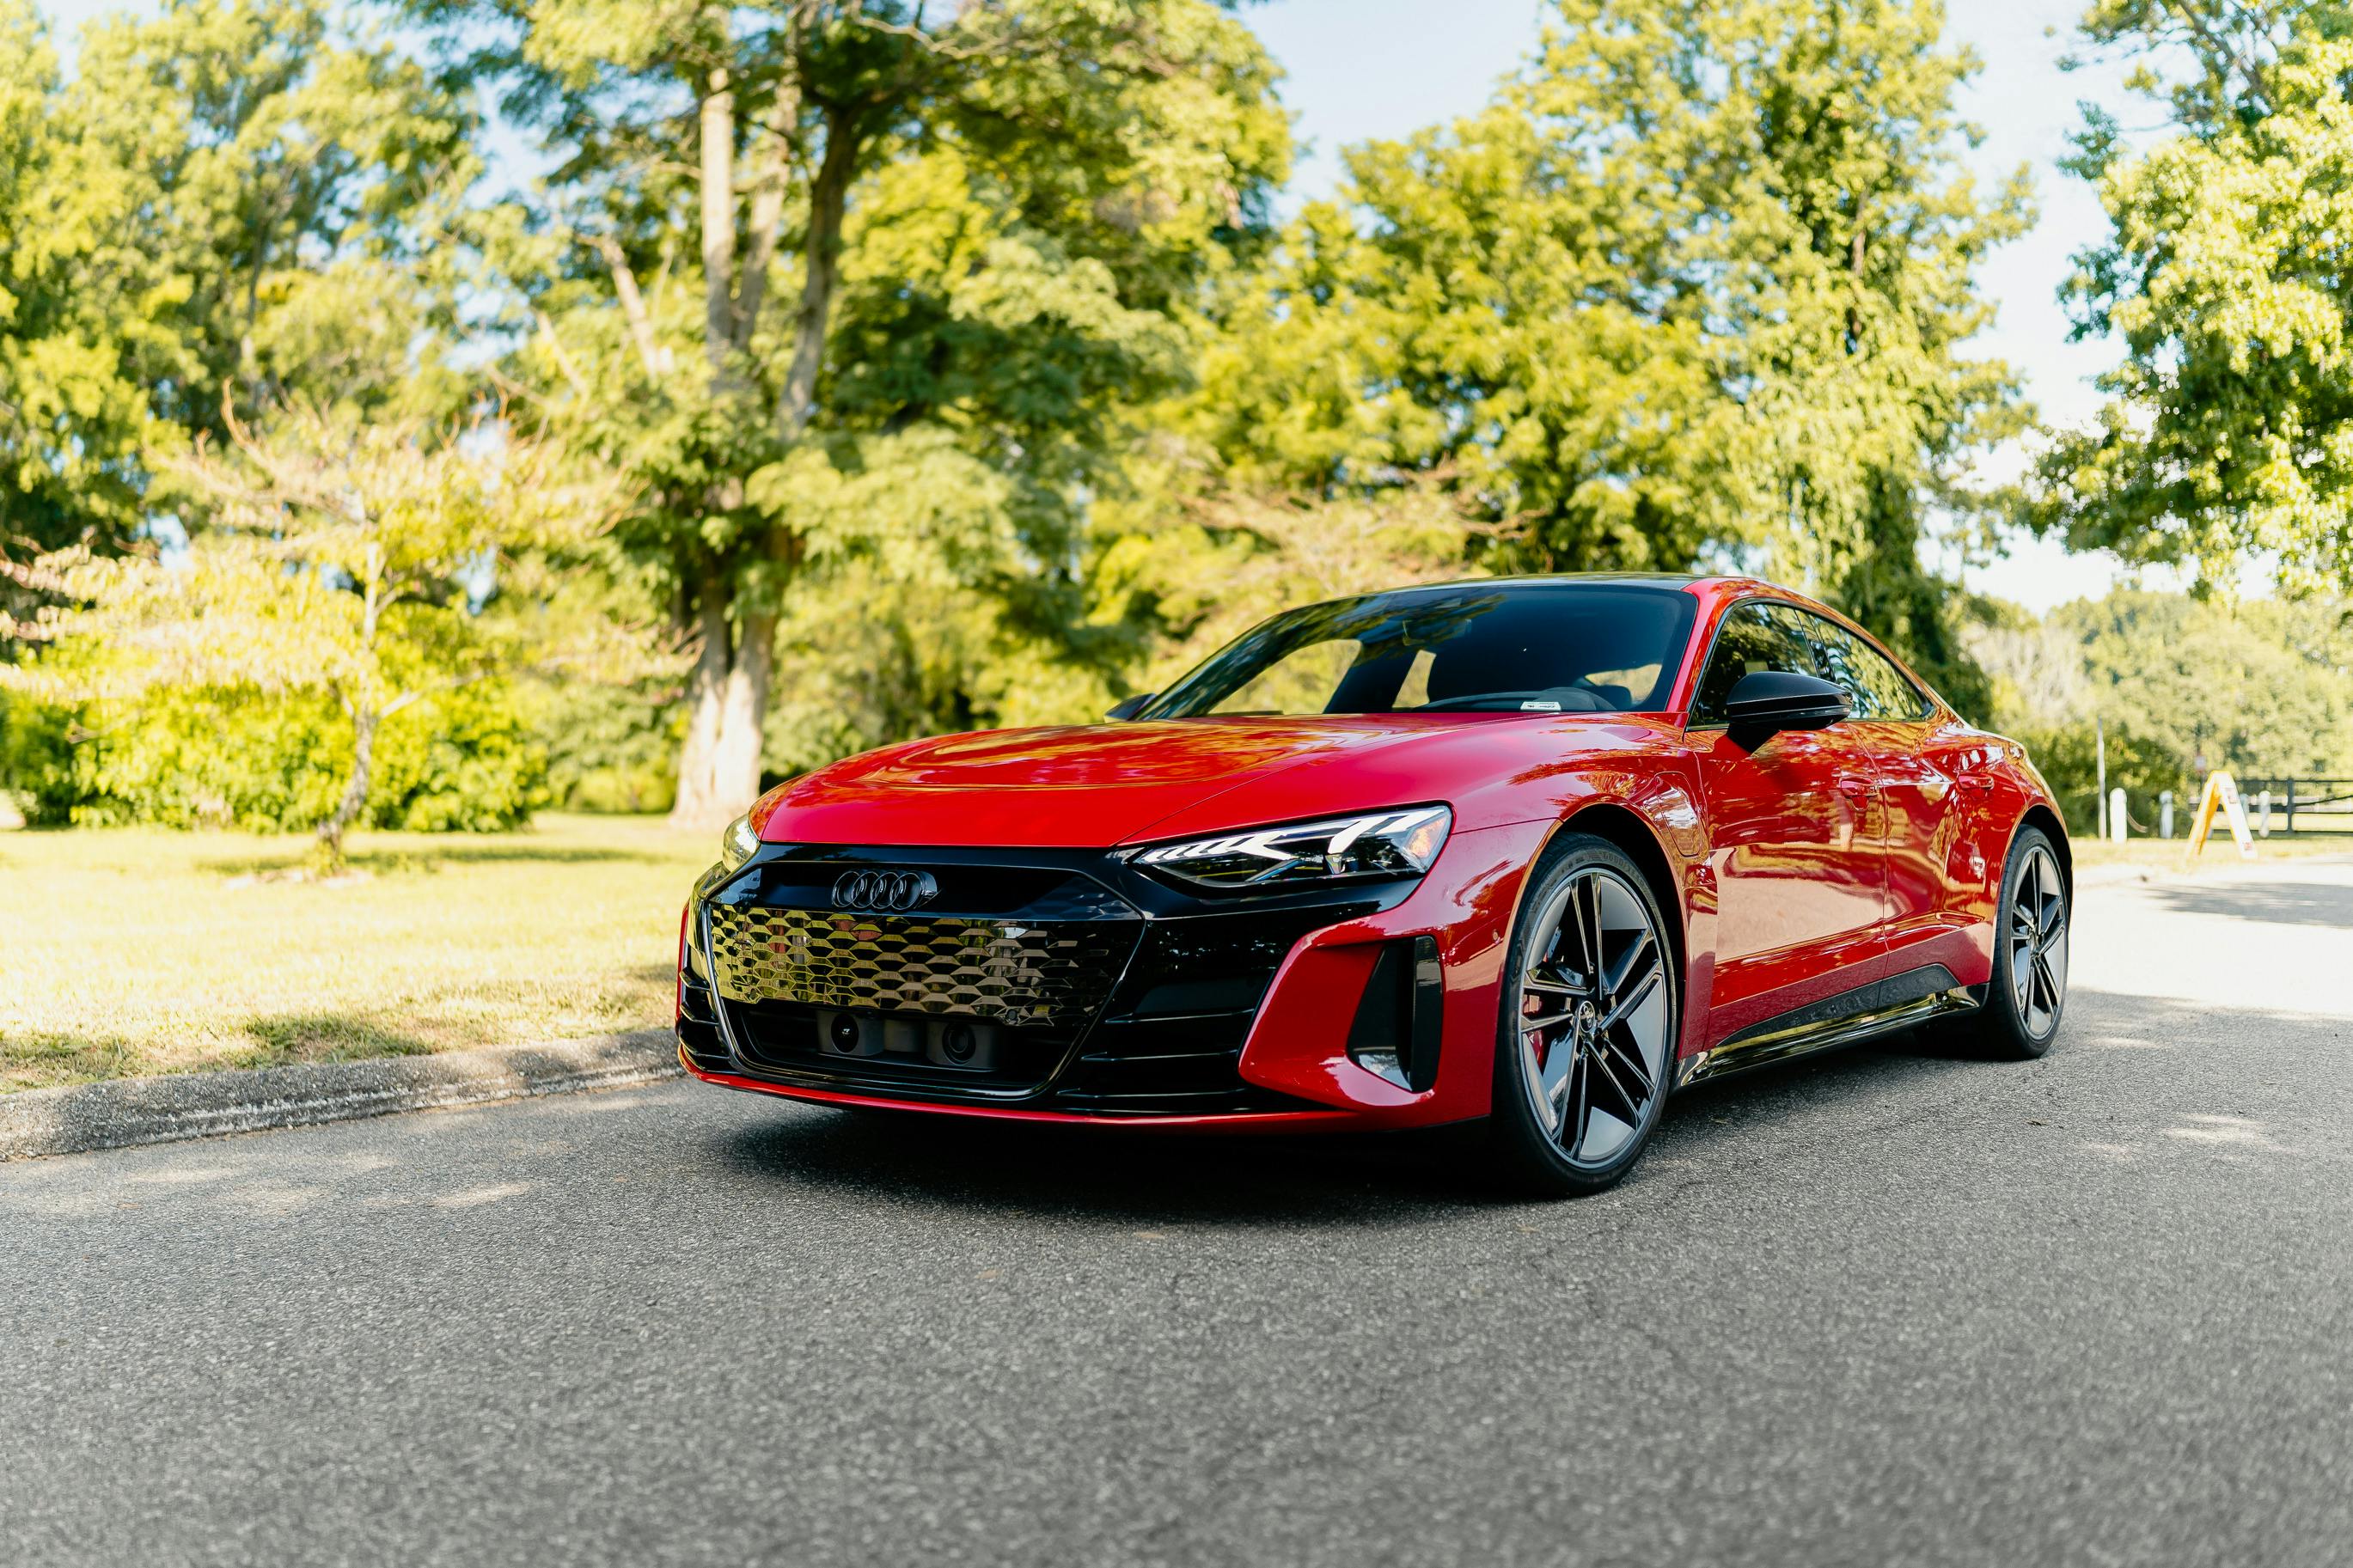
(2298, 805)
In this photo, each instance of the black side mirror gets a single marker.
(1771, 700)
(1129, 707)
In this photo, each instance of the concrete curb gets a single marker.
(126, 1112)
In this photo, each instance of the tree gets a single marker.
(227, 204)
(299, 187)
(73, 420)
(2225, 279)
(918, 260)
(2148, 668)
(1691, 289)
(2286, 708)
(2033, 668)
(338, 559)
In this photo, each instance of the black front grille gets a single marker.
(1100, 1008)
(1054, 975)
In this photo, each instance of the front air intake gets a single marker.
(1397, 1027)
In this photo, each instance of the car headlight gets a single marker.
(738, 844)
(1340, 848)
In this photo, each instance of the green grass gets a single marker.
(2173, 854)
(133, 950)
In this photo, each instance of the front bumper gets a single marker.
(1065, 986)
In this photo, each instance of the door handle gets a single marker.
(1975, 783)
(1851, 786)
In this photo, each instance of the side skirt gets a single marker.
(1883, 1007)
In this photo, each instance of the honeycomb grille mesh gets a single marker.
(1053, 975)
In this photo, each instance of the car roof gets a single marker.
(1699, 582)
(1554, 580)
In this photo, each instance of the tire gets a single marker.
(1567, 1125)
(2026, 998)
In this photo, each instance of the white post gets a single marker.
(2116, 815)
(2265, 819)
(2100, 764)
(2165, 814)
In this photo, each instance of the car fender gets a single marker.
(1471, 901)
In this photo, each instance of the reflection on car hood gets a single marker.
(1102, 785)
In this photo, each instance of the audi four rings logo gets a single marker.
(894, 891)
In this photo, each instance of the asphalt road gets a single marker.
(1892, 1308)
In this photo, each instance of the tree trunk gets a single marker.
(828, 196)
(744, 714)
(718, 170)
(703, 793)
(355, 791)
(719, 767)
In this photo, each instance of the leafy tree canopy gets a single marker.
(2181, 686)
(228, 204)
(837, 280)
(2224, 276)
(2262, 687)
(1696, 282)
(74, 416)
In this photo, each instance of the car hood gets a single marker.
(1096, 785)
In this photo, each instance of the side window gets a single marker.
(1877, 687)
(1750, 637)
(1835, 652)
(1892, 688)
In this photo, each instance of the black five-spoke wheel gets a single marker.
(1588, 1035)
(2038, 941)
(2029, 991)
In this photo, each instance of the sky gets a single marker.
(1362, 68)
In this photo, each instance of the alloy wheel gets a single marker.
(2038, 943)
(1593, 1017)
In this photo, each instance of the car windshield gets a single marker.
(1544, 648)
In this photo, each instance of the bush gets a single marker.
(467, 763)
(609, 748)
(462, 762)
(37, 760)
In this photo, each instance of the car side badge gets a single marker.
(1539, 705)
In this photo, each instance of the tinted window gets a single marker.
(1764, 636)
(1572, 648)
(1877, 688)
(1752, 636)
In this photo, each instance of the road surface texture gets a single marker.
(1894, 1307)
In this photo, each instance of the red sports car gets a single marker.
(1537, 850)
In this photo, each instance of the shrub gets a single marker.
(460, 761)
(37, 760)
(610, 747)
